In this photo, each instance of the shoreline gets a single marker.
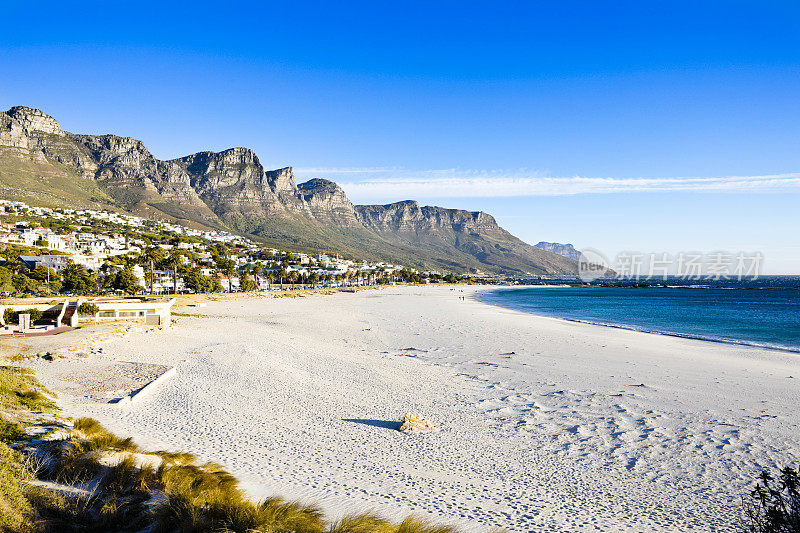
(733, 342)
(259, 382)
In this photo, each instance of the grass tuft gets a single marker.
(172, 458)
(231, 512)
(279, 514)
(11, 432)
(100, 438)
(61, 513)
(199, 483)
(362, 523)
(414, 524)
(126, 478)
(73, 464)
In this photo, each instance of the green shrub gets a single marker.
(12, 317)
(88, 309)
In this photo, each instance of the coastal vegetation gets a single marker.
(20, 390)
(773, 506)
(78, 476)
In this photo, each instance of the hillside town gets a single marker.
(49, 251)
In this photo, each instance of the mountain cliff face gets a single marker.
(232, 190)
(459, 237)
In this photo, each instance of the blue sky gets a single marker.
(637, 126)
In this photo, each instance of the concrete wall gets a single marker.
(147, 312)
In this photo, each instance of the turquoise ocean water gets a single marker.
(763, 312)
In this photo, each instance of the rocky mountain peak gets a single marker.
(113, 147)
(402, 207)
(318, 187)
(327, 201)
(317, 184)
(238, 156)
(282, 180)
(34, 120)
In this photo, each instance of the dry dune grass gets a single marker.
(20, 390)
(173, 493)
(15, 509)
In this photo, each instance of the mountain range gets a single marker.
(230, 190)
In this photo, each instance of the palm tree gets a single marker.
(173, 261)
(257, 272)
(103, 275)
(230, 270)
(282, 274)
(149, 256)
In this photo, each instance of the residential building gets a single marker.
(55, 262)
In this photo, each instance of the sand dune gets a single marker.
(543, 424)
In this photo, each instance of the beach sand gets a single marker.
(543, 424)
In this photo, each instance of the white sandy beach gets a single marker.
(544, 424)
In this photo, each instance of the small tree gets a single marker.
(10, 316)
(77, 279)
(248, 285)
(774, 507)
(23, 283)
(126, 281)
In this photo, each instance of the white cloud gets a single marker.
(391, 184)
